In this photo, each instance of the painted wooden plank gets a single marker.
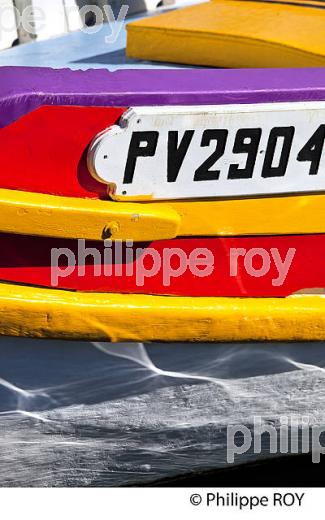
(233, 33)
(8, 30)
(24, 89)
(62, 217)
(43, 313)
(257, 216)
(215, 151)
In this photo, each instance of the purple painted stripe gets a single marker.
(23, 89)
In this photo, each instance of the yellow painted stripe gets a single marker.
(61, 217)
(261, 216)
(47, 215)
(230, 33)
(44, 313)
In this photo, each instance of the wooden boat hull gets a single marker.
(49, 201)
(54, 116)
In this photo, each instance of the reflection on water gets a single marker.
(80, 414)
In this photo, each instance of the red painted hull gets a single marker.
(45, 151)
(28, 260)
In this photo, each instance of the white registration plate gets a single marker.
(213, 151)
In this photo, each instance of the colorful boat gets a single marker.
(80, 241)
(191, 213)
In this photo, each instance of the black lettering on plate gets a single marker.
(177, 152)
(286, 133)
(253, 136)
(313, 149)
(204, 172)
(136, 150)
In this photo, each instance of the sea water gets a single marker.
(80, 414)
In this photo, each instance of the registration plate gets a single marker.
(203, 152)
